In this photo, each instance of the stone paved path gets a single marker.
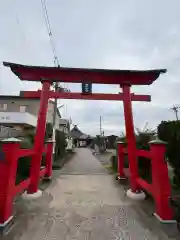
(83, 163)
(84, 203)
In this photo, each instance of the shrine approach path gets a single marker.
(84, 202)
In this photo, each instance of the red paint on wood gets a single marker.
(144, 153)
(93, 96)
(26, 152)
(78, 75)
(8, 168)
(125, 151)
(21, 186)
(144, 185)
(160, 181)
(43, 172)
(131, 139)
(120, 156)
(39, 139)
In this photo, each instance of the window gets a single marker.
(23, 108)
(3, 107)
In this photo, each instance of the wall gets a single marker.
(32, 106)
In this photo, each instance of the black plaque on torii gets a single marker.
(86, 88)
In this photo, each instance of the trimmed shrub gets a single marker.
(111, 140)
(61, 144)
(24, 163)
(100, 142)
(49, 131)
(114, 163)
(169, 131)
(142, 143)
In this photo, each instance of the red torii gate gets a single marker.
(160, 187)
(47, 75)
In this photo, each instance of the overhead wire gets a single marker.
(49, 31)
(52, 43)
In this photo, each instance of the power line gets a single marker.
(49, 31)
(55, 56)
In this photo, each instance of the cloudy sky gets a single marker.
(131, 34)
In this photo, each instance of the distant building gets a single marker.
(79, 138)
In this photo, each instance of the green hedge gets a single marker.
(60, 148)
(144, 164)
(24, 163)
(169, 131)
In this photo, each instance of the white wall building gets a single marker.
(18, 112)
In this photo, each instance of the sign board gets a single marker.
(86, 88)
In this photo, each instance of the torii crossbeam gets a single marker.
(94, 96)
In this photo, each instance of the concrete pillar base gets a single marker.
(164, 221)
(47, 178)
(120, 178)
(138, 196)
(29, 196)
(6, 226)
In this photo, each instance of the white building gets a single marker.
(19, 112)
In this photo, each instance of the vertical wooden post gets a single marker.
(120, 156)
(8, 169)
(160, 181)
(131, 139)
(39, 139)
(49, 157)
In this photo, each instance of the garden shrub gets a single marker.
(111, 141)
(24, 163)
(49, 131)
(61, 144)
(144, 164)
(114, 163)
(100, 142)
(169, 131)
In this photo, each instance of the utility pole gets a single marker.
(55, 106)
(100, 126)
(175, 109)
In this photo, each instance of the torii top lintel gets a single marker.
(78, 75)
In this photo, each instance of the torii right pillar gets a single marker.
(131, 139)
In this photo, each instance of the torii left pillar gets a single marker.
(39, 140)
